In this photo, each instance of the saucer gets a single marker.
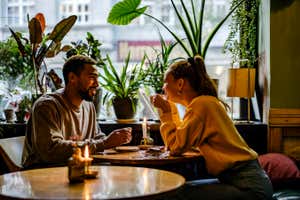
(127, 148)
(125, 121)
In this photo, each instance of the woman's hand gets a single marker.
(160, 102)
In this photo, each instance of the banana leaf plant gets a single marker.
(42, 45)
(190, 20)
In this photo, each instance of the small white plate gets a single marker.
(127, 148)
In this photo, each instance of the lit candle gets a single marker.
(144, 127)
(87, 159)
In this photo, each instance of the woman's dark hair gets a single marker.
(193, 70)
(76, 64)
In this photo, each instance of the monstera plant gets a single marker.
(41, 45)
(190, 19)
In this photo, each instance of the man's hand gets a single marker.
(118, 137)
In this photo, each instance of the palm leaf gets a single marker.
(190, 22)
(125, 11)
(199, 28)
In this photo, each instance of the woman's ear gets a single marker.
(180, 84)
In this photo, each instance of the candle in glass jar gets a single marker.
(144, 127)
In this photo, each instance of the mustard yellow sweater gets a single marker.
(207, 127)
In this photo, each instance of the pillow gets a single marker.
(281, 169)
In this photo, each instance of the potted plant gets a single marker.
(122, 87)
(23, 110)
(40, 45)
(190, 20)
(242, 45)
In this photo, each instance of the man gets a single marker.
(60, 119)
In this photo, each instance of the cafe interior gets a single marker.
(143, 168)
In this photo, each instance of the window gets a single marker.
(76, 7)
(18, 10)
(139, 37)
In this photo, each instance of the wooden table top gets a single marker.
(142, 157)
(113, 182)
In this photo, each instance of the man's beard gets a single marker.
(85, 95)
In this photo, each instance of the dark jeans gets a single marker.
(245, 181)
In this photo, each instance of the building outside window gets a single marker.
(18, 10)
(76, 7)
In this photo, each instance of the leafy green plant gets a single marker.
(156, 69)
(13, 66)
(124, 84)
(242, 39)
(42, 45)
(190, 20)
(89, 48)
(25, 104)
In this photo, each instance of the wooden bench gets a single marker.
(11, 152)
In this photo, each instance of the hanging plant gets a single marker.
(242, 40)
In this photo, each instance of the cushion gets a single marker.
(281, 169)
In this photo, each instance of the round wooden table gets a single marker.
(113, 182)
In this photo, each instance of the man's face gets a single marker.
(88, 82)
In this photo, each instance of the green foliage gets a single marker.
(42, 45)
(13, 66)
(124, 84)
(190, 20)
(89, 48)
(25, 104)
(242, 39)
(156, 69)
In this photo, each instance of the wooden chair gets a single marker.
(11, 152)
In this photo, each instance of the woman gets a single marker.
(207, 127)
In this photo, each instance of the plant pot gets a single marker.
(20, 115)
(9, 115)
(124, 108)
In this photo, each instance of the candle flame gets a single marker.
(86, 151)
